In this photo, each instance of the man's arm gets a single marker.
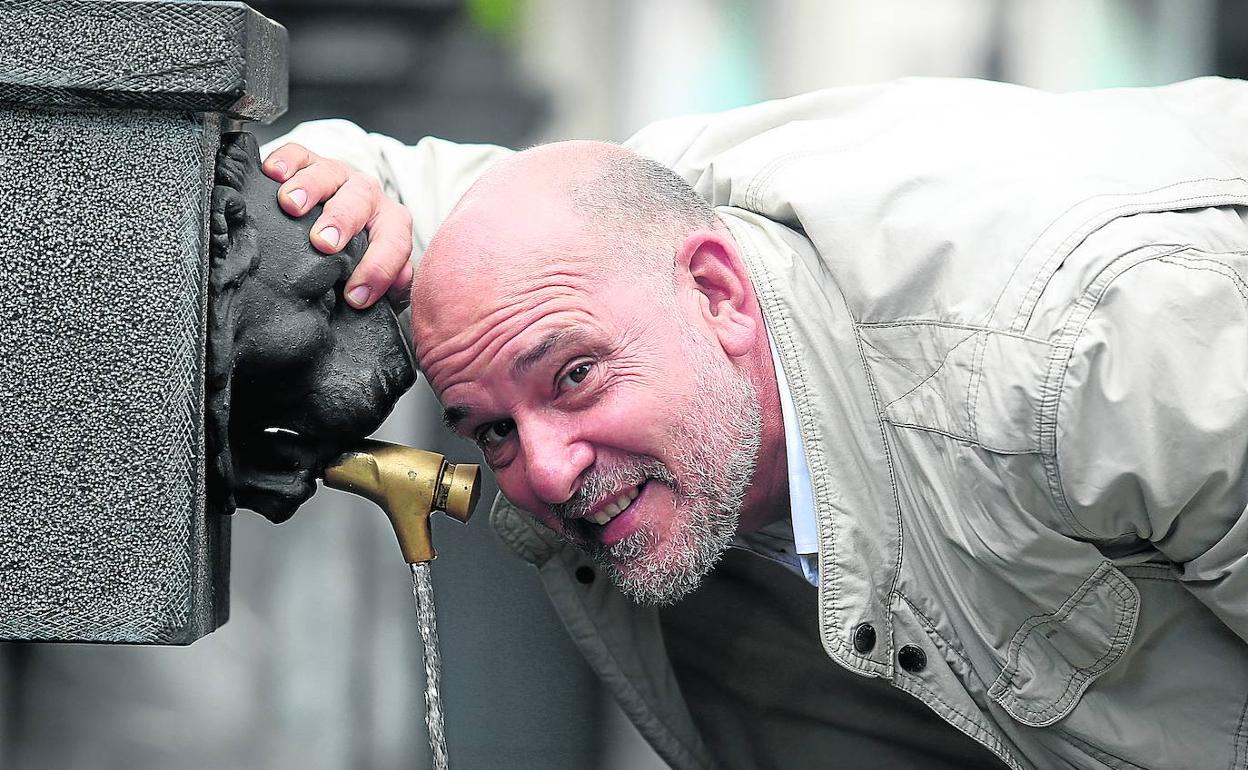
(399, 193)
(1152, 421)
(335, 162)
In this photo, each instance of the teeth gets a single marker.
(615, 507)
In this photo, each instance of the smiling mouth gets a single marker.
(617, 506)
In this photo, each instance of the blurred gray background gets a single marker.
(319, 666)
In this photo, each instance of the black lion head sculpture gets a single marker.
(294, 374)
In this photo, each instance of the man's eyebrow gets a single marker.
(452, 416)
(528, 360)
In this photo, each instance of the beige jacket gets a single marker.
(1016, 329)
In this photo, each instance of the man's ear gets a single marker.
(725, 292)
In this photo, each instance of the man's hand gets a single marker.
(353, 202)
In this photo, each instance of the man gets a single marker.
(969, 357)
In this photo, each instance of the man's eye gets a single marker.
(495, 432)
(575, 376)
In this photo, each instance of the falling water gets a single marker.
(422, 588)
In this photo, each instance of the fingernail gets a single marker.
(297, 197)
(358, 296)
(281, 168)
(330, 236)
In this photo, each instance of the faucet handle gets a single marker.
(408, 484)
(459, 490)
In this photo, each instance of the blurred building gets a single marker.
(319, 666)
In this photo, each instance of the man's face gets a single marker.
(607, 414)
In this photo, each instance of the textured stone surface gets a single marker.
(110, 117)
(102, 301)
(192, 55)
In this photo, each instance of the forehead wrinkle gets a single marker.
(461, 357)
(502, 326)
(494, 324)
(527, 360)
(565, 282)
(527, 300)
(567, 335)
(491, 320)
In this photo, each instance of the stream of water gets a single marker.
(422, 588)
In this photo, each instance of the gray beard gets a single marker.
(717, 466)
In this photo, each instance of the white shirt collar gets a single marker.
(794, 543)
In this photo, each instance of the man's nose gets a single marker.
(555, 459)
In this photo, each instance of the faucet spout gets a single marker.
(409, 485)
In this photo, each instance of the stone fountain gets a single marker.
(111, 114)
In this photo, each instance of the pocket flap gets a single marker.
(1055, 656)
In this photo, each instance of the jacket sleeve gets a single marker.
(1152, 421)
(701, 148)
(428, 177)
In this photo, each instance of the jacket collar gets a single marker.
(837, 409)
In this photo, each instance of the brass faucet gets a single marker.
(409, 485)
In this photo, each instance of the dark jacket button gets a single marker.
(864, 638)
(585, 574)
(912, 658)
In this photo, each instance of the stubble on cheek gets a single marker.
(717, 449)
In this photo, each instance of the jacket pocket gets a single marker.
(1178, 699)
(1054, 657)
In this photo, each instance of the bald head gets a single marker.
(590, 207)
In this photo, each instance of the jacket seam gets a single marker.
(753, 190)
(1169, 254)
(950, 325)
(1042, 276)
(982, 335)
(888, 454)
(801, 400)
(963, 724)
(515, 533)
(935, 371)
(1083, 674)
(1060, 359)
(1081, 232)
(1240, 758)
(977, 377)
(931, 629)
(1208, 266)
(895, 360)
(1158, 578)
(1150, 572)
(1101, 754)
(829, 595)
(927, 429)
(956, 437)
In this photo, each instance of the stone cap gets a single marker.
(185, 55)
